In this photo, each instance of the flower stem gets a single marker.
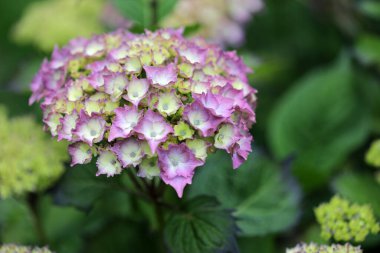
(33, 207)
(154, 11)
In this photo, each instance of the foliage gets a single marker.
(203, 226)
(317, 71)
(263, 200)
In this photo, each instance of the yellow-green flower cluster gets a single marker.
(13, 248)
(345, 221)
(29, 161)
(372, 156)
(314, 248)
(50, 22)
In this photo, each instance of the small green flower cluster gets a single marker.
(51, 22)
(345, 221)
(314, 248)
(29, 160)
(12, 248)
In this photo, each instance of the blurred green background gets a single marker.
(317, 71)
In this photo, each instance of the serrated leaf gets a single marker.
(359, 188)
(320, 121)
(203, 226)
(262, 200)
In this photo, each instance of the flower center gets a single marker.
(92, 132)
(153, 134)
(132, 154)
(165, 107)
(197, 122)
(182, 132)
(135, 94)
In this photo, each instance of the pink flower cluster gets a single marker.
(156, 101)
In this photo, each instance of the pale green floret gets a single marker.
(344, 221)
(74, 93)
(314, 248)
(133, 65)
(168, 103)
(108, 164)
(146, 149)
(100, 103)
(372, 156)
(149, 168)
(160, 55)
(29, 160)
(13, 248)
(183, 86)
(225, 136)
(146, 58)
(199, 148)
(117, 85)
(186, 70)
(183, 131)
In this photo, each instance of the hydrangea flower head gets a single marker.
(13, 248)
(29, 160)
(345, 221)
(314, 248)
(155, 101)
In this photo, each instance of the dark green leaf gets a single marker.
(17, 103)
(359, 188)
(265, 244)
(80, 187)
(191, 30)
(262, 199)
(320, 121)
(202, 227)
(62, 226)
(16, 222)
(121, 236)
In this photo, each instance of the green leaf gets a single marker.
(367, 49)
(17, 103)
(81, 188)
(165, 7)
(370, 8)
(359, 188)
(121, 236)
(202, 227)
(262, 199)
(320, 121)
(262, 244)
(63, 233)
(135, 10)
(16, 222)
